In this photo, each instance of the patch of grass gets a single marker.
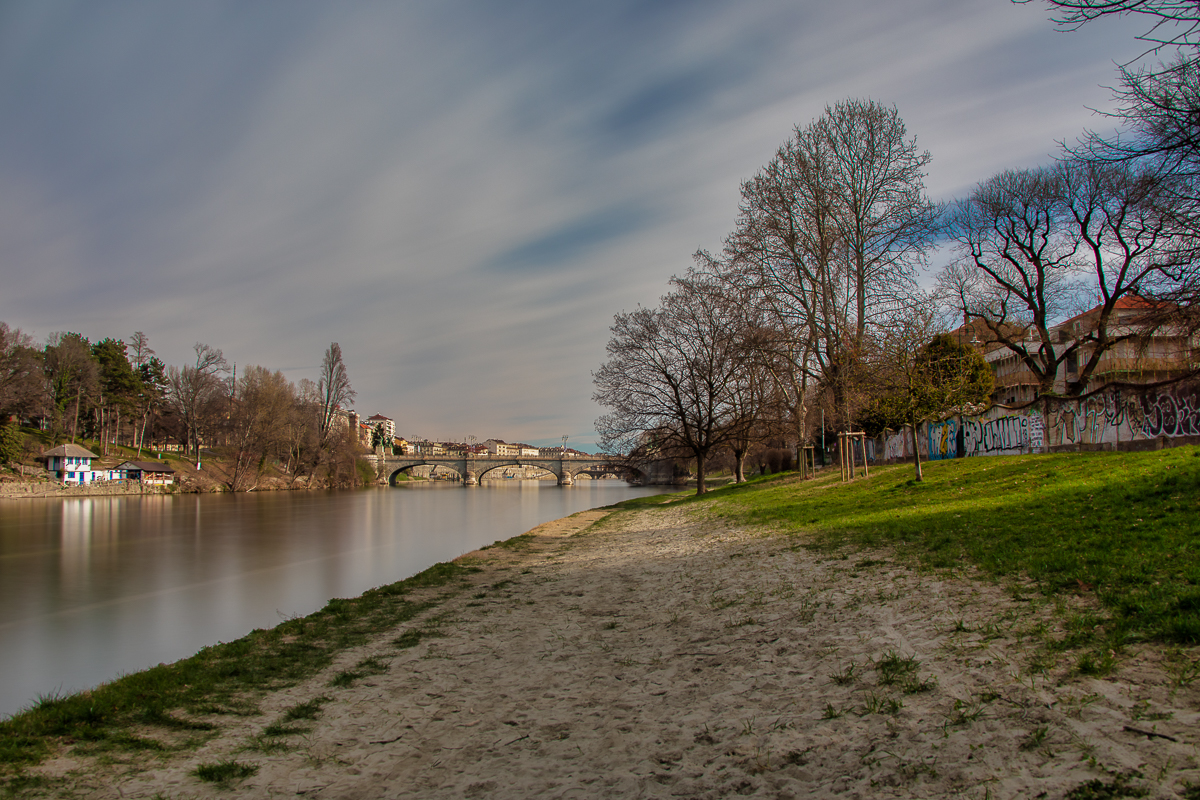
(846, 676)
(279, 729)
(1036, 738)
(271, 738)
(1183, 670)
(517, 543)
(1118, 527)
(880, 704)
(22, 784)
(217, 679)
(1095, 664)
(307, 710)
(1118, 787)
(965, 711)
(892, 667)
(373, 665)
(224, 771)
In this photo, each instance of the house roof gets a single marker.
(380, 418)
(1126, 302)
(146, 466)
(69, 451)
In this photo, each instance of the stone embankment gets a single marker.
(26, 489)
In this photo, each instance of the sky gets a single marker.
(461, 193)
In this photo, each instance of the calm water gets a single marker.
(93, 587)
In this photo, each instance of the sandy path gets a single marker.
(659, 655)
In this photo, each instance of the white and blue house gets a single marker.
(71, 463)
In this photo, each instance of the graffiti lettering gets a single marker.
(1167, 415)
(942, 439)
(1010, 433)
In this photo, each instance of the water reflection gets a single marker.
(91, 587)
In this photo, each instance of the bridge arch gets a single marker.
(626, 471)
(517, 462)
(396, 469)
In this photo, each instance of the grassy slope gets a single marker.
(1125, 526)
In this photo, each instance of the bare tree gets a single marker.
(258, 425)
(671, 375)
(192, 391)
(152, 374)
(1158, 107)
(334, 389)
(830, 233)
(885, 222)
(1035, 246)
(1159, 104)
(23, 388)
(1175, 23)
(139, 349)
(302, 432)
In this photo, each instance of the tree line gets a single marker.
(118, 392)
(811, 318)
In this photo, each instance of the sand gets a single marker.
(662, 654)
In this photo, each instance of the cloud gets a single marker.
(461, 194)
(568, 242)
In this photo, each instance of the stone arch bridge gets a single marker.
(473, 468)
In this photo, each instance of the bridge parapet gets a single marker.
(472, 468)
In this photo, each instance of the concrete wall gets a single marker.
(1114, 418)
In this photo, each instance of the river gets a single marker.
(93, 587)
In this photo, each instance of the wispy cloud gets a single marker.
(462, 194)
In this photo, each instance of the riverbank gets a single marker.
(13, 490)
(662, 650)
(213, 478)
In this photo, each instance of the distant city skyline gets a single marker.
(461, 194)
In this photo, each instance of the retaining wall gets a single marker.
(1117, 417)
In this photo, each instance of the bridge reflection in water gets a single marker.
(473, 468)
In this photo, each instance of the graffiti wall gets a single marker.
(1116, 418)
(943, 439)
(1003, 431)
(898, 445)
(1121, 415)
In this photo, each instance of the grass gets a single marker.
(225, 771)
(373, 665)
(1098, 789)
(216, 680)
(1121, 527)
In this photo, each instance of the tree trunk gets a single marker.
(916, 453)
(75, 422)
(700, 488)
(141, 435)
